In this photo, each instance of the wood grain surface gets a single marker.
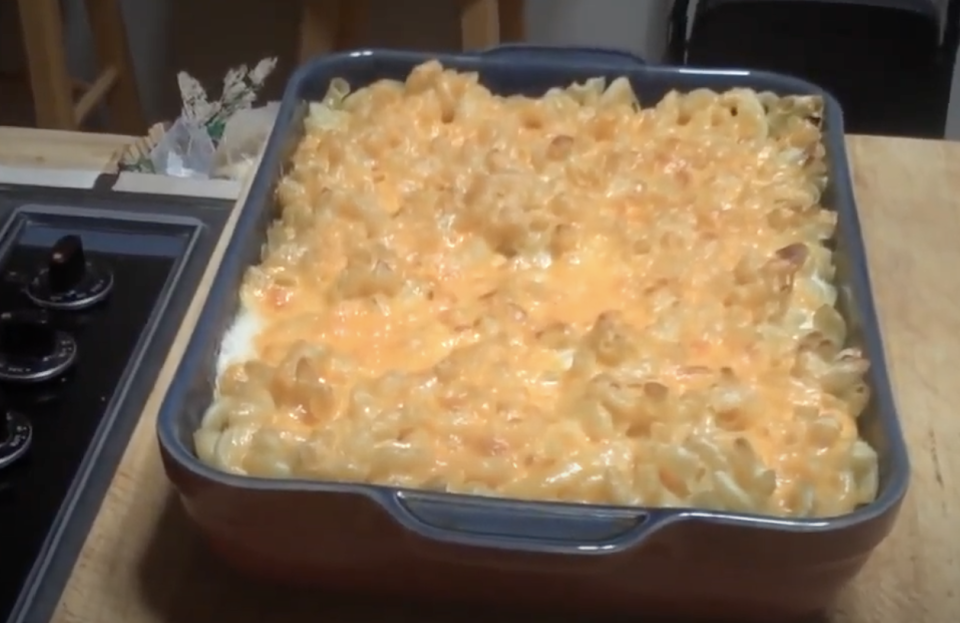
(57, 149)
(143, 563)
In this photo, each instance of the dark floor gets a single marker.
(886, 66)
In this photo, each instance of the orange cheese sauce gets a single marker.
(566, 298)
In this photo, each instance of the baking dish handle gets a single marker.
(521, 526)
(575, 55)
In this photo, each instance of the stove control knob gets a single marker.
(16, 434)
(70, 280)
(32, 349)
(67, 265)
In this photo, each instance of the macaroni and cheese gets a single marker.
(574, 298)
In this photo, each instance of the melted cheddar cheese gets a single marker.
(569, 298)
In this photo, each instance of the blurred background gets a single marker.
(894, 57)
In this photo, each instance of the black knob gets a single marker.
(26, 337)
(67, 264)
(70, 280)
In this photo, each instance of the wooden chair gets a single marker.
(53, 89)
(329, 25)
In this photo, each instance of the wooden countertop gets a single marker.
(57, 149)
(143, 563)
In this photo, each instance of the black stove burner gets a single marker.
(69, 280)
(90, 300)
(32, 348)
(16, 433)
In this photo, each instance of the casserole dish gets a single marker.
(676, 562)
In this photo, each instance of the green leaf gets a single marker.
(215, 129)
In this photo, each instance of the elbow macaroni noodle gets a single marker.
(569, 298)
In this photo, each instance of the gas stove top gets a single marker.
(93, 285)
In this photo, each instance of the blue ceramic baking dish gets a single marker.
(643, 561)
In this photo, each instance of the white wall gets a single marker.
(953, 111)
(636, 25)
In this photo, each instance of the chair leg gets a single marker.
(479, 24)
(319, 26)
(353, 16)
(109, 31)
(42, 26)
(513, 26)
